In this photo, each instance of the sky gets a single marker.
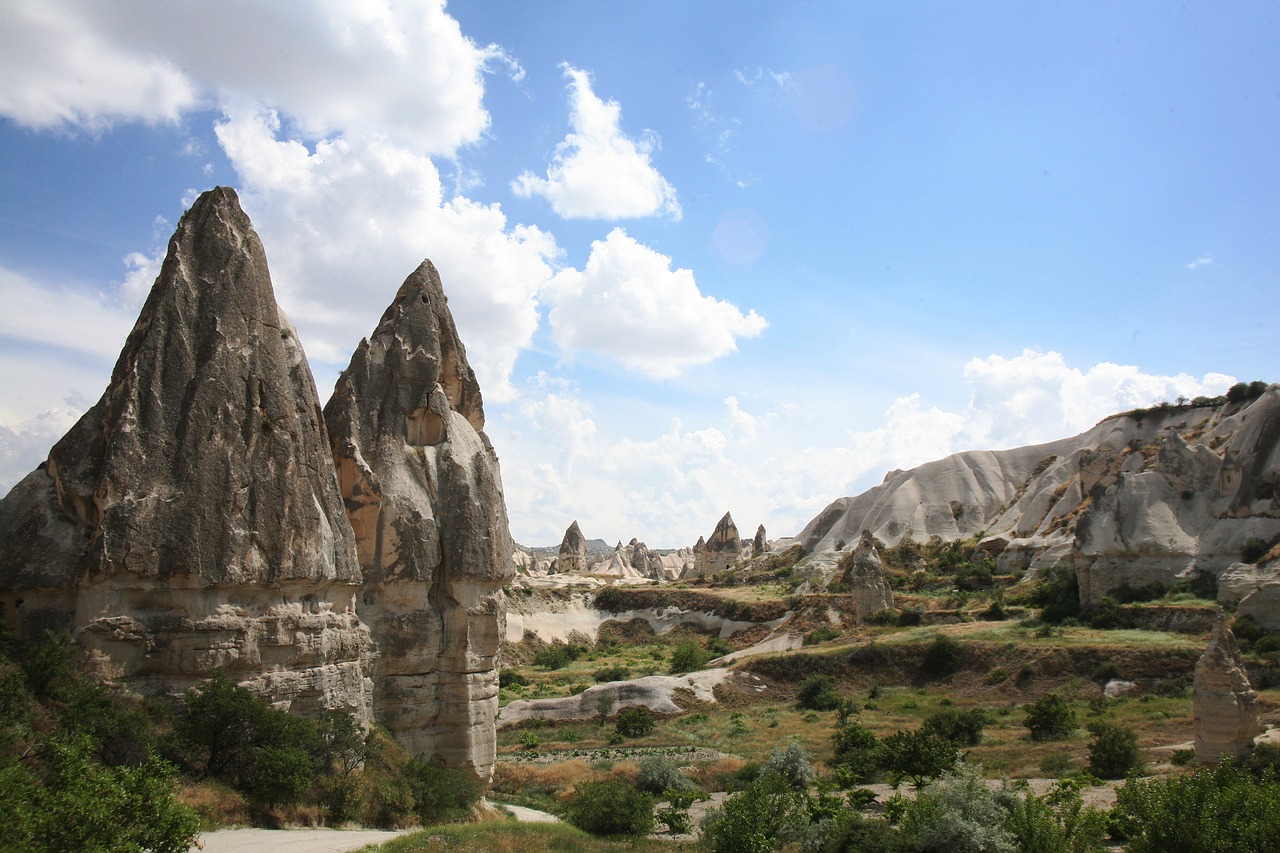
(705, 257)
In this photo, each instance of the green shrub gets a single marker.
(659, 773)
(917, 755)
(1253, 550)
(963, 728)
(818, 693)
(611, 673)
(509, 678)
(1223, 809)
(634, 721)
(1058, 822)
(911, 616)
(441, 794)
(857, 753)
(1050, 718)
(851, 832)
(752, 821)
(1113, 753)
(958, 813)
(793, 764)
(942, 657)
(557, 655)
(820, 635)
(687, 657)
(1057, 592)
(610, 807)
(610, 599)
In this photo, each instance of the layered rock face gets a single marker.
(720, 552)
(424, 494)
(191, 521)
(864, 574)
(1226, 707)
(573, 551)
(1142, 497)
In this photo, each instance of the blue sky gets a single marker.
(705, 256)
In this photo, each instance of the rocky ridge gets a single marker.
(1143, 497)
(194, 520)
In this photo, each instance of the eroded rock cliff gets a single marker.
(1226, 706)
(190, 521)
(1142, 497)
(424, 494)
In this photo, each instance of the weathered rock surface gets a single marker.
(190, 521)
(573, 551)
(760, 544)
(1142, 497)
(722, 551)
(1226, 707)
(864, 575)
(424, 494)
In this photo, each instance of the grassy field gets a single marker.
(506, 836)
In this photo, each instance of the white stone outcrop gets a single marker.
(1226, 707)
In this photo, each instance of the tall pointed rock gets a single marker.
(572, 556)
(1225, 705)
(190, 521)
(424, 494)
(722, 551)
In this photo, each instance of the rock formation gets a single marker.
(1226, 708)
(720, 552)
(1143, 497)
(573, 551)
(190, 521)
(759, 545)
(424, 495)
(864, 575)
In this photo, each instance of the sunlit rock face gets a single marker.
(864, 575)
(1142, 498)
(573, 551)
(423, 491)
(1226, 707)
(722, 551)
(190, 521)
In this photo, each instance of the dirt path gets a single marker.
(293, 840)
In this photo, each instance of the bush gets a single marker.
(688, 657)
(851, 832)
(1253, 550)
(911, 616)
(818, 693)
(963, 728)
(610, 599)
(917, 755)
(1050, 718)
(508, 678)
(1223, 809)
(944, 656)
(441, 794)
(752, 821)
(1113, 751)
(820, 635)
(659, 773)
(857, 753)
(557, 655)
(958, 813)
(793, 764)
(1055, 823)
(610, 807)
(611, 673)
(1057, 592)
(634, 721)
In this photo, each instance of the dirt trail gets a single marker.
(293, 840)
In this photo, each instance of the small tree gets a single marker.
(1113, 751)
(1050, 718)
(635, 721)
(958, 813)
(857, 753)
(918, 755)
(752, 821)
(793, 764)
(610, 807)
(818, 693)
(687, 657)
(963, 728)
(944, 656)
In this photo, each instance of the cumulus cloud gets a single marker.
(597, 171)
(1202, 261)
(346, 220)
(629, 304)
(84, 64)
(61, 72)
(26, 445)
(669, 485)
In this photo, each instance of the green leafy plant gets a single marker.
(634, 721)
(610, 807)
(1050, 718)
(1114, 752)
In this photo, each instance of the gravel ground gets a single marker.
(292, 840)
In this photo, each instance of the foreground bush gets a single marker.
(753, 821)
(1222, 809)
(1114, 752)
(611, 807)
(958, 813)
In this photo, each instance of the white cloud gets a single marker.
(59, 71)
(404, 69)
(26, 445)
(1202, 261)
(628, 304)
(784, 463)
(346, 221)
(597, 171)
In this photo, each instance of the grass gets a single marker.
(506, 836)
